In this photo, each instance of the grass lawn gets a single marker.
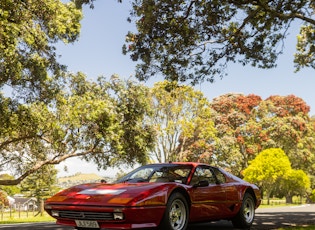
(22, 217)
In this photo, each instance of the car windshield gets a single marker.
(158, 173)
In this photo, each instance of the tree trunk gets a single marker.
(288, 199)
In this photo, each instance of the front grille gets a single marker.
(76, 215)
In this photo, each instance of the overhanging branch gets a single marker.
(40, 164)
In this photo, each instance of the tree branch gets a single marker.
(38, 165)
(5, 143)
(285, 16)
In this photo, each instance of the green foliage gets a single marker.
(304, 56)
(32, 76)
(41, 184)
(267, 169)
(99, 121)
(295, 182)
(29, 30)
(180, 113)
(80, 3)
(195, 40)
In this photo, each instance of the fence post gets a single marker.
(42, 207)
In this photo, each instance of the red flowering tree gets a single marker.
(286, 124)
(245, 125)
(237, 130)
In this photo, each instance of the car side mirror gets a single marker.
(202, 183)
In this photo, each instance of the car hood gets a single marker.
(132, 194)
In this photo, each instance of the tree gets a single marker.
(195, 40)
(267, 169)
(99, 121)
(30, 71)
(286, 124)
(294, 183)
(237, 130)
(41, 184)
(179, 113)
(28, 34)
(246, 125)
(50, 115)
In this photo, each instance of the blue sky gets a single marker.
(99, 52)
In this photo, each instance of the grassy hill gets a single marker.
(78, 178)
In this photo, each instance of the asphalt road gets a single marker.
(265, 219)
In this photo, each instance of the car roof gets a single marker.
(178, 163)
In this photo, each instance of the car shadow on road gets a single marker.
(220, 225)
(274, 220)
(265, 221)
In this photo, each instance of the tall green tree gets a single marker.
(31, 75)
(294, 183)
(41, 184)
(195, 40)
(267, 169)
(98, 121)
(179, 113)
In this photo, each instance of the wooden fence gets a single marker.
(19, 212)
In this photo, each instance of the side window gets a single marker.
(219, 175)
(143, 174)
(203, 173)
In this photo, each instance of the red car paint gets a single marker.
(128, 204)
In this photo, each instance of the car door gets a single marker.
(207, 196)
(231, 193)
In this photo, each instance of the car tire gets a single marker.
(246, 214)
(176, 213)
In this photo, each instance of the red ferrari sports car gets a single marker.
(167, 196)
